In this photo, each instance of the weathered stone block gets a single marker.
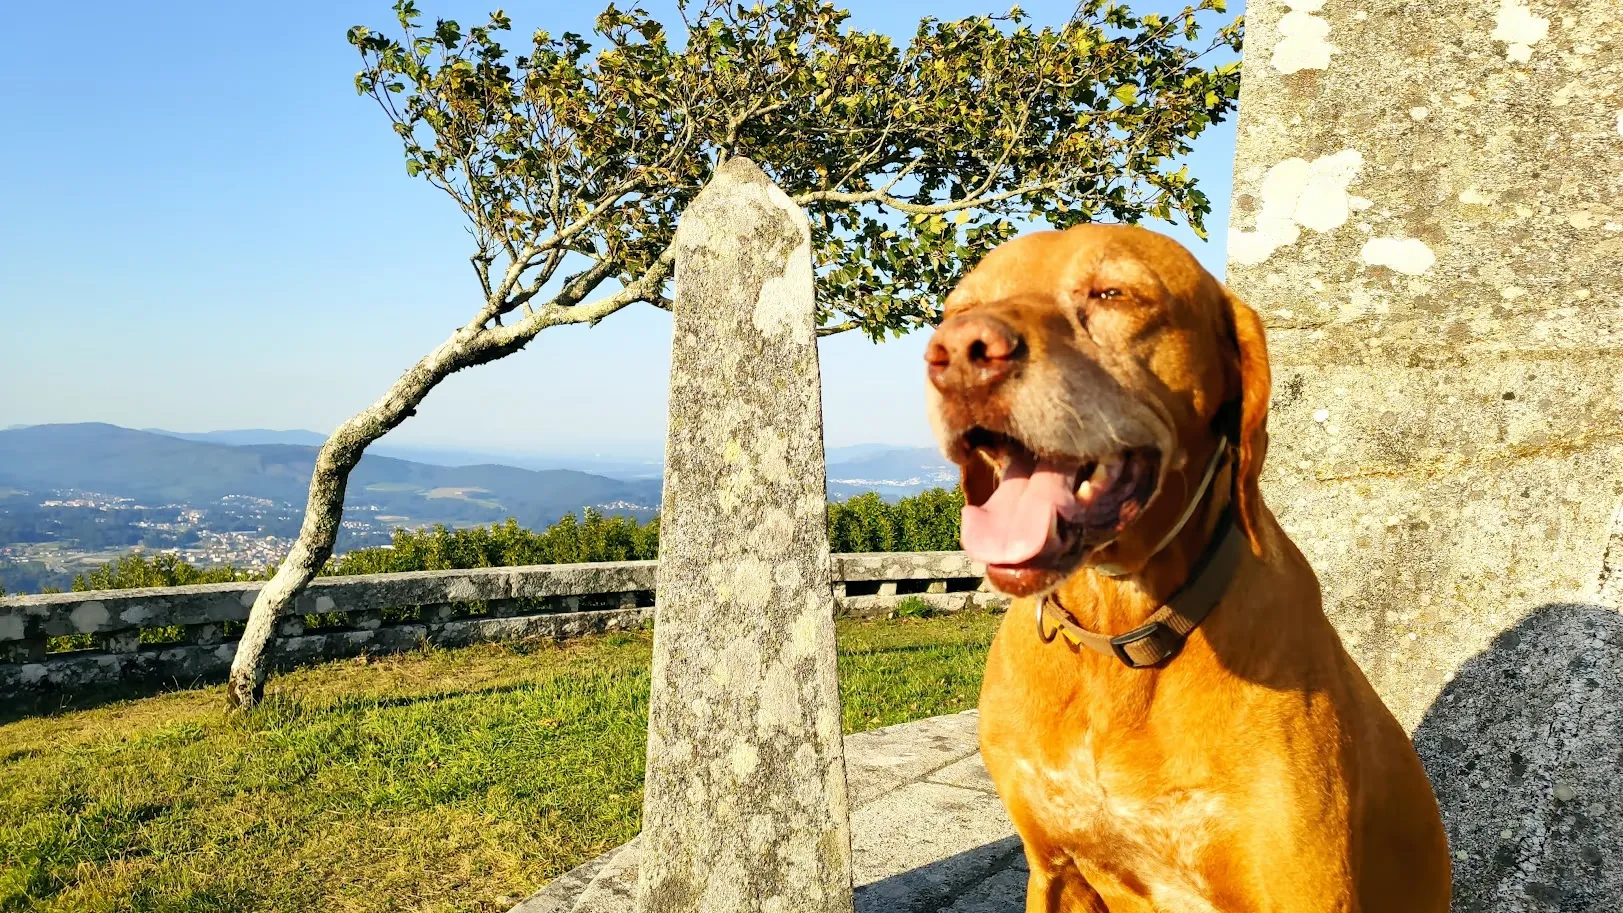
(205, 611)
(366, 620)
(31, 650)
(906, 566)
(121, 641)
(555, 625)
(204, 634)
(1428, 214)
(59, 614)
(745, 806)
(506, 608)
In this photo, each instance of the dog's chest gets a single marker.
(1127, 825)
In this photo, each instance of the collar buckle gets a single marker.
(1161, 643)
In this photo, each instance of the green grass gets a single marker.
(434, 781)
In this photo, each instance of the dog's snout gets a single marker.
(973, 351)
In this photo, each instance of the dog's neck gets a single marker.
(1115, 604)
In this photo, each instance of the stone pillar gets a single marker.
(1428, 213)
(745, 804)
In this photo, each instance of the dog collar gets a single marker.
(1116, 570)
(1162, 636)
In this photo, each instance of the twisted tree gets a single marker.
(572, 163)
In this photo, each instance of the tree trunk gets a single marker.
(472, 344)
(324, 511)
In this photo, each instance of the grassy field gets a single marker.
(445, 780)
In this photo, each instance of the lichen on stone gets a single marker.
(1302, 44)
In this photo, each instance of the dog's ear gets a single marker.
(1249, 427)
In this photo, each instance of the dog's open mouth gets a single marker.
(1047, 513)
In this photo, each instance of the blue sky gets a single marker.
(205, 228)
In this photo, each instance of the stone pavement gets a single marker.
(928, 833)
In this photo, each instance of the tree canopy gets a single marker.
(572, 161)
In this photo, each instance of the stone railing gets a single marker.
(65, 641)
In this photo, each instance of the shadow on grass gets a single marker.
(363, 702)
(912, 648)
(55, 703)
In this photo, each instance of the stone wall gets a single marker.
(1428, 213)
(553, 601)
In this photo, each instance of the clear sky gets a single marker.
(203, 227)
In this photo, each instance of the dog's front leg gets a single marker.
(1060, 890)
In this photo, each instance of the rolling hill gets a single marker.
(160, 468)
(245, 436)
(852, 469)
(155, 466)
(893, 472)
(622, 467)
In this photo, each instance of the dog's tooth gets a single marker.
(1105, 471)
(993, 462)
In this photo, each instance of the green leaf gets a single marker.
(1060, 115)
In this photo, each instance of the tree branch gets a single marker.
(481, 266)
(609, 200)
(838, 328)
(882, 197)
(494, 342)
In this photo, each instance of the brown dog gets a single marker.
(1198, 739)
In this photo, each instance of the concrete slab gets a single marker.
(1003, 892)
(970, 773)
(882, 760)
(915, 849)
(928, 833)
(576, 887)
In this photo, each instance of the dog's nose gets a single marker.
(972, 351)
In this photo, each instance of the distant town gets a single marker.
(74, 497)
(60, 534)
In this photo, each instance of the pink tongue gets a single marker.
(1016, 524)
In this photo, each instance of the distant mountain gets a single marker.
(852, 469)
(851, 452)
(247, 436)
(893, 472)
(625, 467)
(161, 468)
(895, 466)
(421, 483)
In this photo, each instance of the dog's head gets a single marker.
(1082, 381)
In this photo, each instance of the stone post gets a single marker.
(745, 804)
(1428, 213)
